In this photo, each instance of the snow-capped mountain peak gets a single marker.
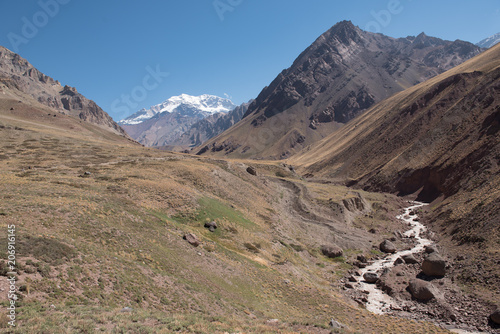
(184, 104)
(490, 41)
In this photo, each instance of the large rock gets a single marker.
(434, 265)
(495, 316)
(422, 290)
(331, 251)
(431, 249)
(387, 247)
(192, 239)
(370, 277)
(212, 226)
(252, 171)
(410, 259)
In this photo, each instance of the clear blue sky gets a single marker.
(105, 48)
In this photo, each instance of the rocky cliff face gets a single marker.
(17, 74)
(343, 73)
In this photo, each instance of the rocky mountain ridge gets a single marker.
(20, 77)
(343, 73)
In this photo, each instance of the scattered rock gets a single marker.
(361, 258)
(349, 285)
(252, 171)
(370, 277)
(422, 290)
(434, 265)
(212, 226)
(410, 259)
(387, 247)
(431, 249)
(495, 316)
(372, 231)
(192, 239)
(352, 279)
(336, 325)
(359, 264)
(332, 251)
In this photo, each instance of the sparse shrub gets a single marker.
(254, 248)
(297, 248)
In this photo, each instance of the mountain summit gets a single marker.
(490, 41)
(22, 81)
(164, 123)
(184, 104)
(343, 73)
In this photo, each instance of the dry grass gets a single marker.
(92, 243)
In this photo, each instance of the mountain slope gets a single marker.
(343, 73)
(490, 41)
(20, 80)
(164, 123)
(211, 126)
(439, 140)
(99, 237)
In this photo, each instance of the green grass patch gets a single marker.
(212, 209)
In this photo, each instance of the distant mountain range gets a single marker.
(164, 124)
(342, 74)
(490, 41)
(25, 82)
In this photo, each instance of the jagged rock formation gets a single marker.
(20, 77)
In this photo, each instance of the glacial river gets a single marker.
(378, 301)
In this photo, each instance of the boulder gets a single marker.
(422, 290)
(434, 265)
(212, 226)
(370, 277)
(192, 239)
(252, 171)
(399, 261)
(410, 259)
(361, 258)
(495, 316)
(431, 249)
(387, 247)
(331, 251)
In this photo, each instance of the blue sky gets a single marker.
(118, 53)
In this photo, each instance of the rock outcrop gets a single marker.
(17, 74)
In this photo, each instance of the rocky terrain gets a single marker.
(438, 142)
(19, 79)
(342, 74)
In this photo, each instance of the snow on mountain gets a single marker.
(187, 105)
(490, 41)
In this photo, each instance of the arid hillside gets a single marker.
(439, 141)
(114, 237)
(21, 80)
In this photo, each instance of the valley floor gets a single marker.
(100, 225)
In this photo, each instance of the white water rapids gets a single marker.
(378, 301)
